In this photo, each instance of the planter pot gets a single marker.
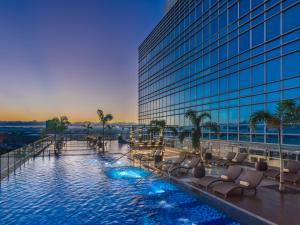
(157, 158)
(199, 172)
(261, 166)
(208, 156)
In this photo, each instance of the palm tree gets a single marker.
(182, 134)
(159, 126)
(57, 126)
(199, 124)
(109, 127)
(103, 120)
(287, 114)
(88, 126)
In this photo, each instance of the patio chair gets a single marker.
(185, 166)
(166, 165)
(224, 161)
(232, 173)
(292, 177)
(291, 172)
(238, 159)
(250, 181)
(151, 156)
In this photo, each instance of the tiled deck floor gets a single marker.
(278, 208)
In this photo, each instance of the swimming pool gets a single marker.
(89, 190)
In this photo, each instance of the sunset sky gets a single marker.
(62, 57)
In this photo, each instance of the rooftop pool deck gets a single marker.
(82, 186)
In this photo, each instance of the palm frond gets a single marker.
(285, 107)
(214, 127)
(100, 114)
(203, 116)
(174, 130)
(192, 116)
(273, 123)
(108, 117)
(259, 117)
(182, 135)
(159, 123)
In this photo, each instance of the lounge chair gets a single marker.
(224, 161)
(232, 173)
(291, 172)
(292, 177)
(250, 181)
(238, 159)
(185, 166)
(167, 164)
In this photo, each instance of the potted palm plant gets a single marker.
(159, 126)
(198, 123)
(287, 114)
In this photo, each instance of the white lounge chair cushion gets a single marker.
(244, 183)
(224, 177)
(187, 164)
(286, 170)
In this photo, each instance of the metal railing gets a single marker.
(255, 151)
(12, 160)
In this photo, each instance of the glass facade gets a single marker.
(229, 58)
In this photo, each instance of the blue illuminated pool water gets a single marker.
(84, 190)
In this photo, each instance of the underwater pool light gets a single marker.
(127, 173)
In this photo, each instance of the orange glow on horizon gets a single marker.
(17, 116)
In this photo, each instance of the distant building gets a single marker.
(228, 58)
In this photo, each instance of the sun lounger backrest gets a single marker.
(181, 158)
(240, 157)
(253, 177)
(230, 155)
(195, 161)
(233, 172)
(293, 166)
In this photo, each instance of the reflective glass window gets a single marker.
(258, 76)
(245, 114)
(233, 115)
(223, 52)
(244, 41)
(291, 18)
(245, 78)
(244, 7)
(273, 70)
(223, 84)
(233, 13)
(294, 140)
(255, 3)
(223, 20)
(233, 47)
(258, 35)
(273, 27)
(233, 82)
(291, 64)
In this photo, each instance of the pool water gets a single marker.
(85, 190)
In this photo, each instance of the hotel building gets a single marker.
(229, 58)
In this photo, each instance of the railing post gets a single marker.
(14, 162)
(8, 164)
(0, 168)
